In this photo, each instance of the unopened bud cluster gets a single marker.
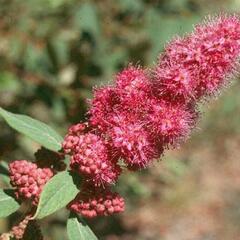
(92, 202)
(28, 179)
(27, 229)
(19, 230)
(146, 111)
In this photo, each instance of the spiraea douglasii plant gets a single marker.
(129, 124)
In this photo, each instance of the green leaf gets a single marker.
(77, 229)
(36, 130)
(57, 193)
(86, 18)
(8, 204)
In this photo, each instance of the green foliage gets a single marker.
(4, 174)
(53, 52)
(8, 204)
(36, 130)
(87, 20)
(78, 230)
(9, 82)
(57, 193)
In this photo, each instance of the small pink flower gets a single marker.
(78, 129)
(104, 104)
(134, 88)
(171, 122)
(71, 140)
(174, 82)
(70, 143)
(133, 81)
(133, 140)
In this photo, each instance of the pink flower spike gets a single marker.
(198, 65)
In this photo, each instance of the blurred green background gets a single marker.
(52, 52)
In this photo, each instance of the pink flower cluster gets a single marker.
(28, 179)
(146, 111)
(26, 228)
(142, 114)
(93, 160)
(92, 202)
(18, 231)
